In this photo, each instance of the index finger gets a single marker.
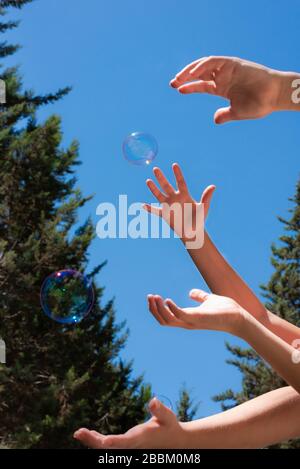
(183, 75)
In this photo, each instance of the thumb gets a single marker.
(163, 414)
(224, 114)
(199, 295)
(206, 198)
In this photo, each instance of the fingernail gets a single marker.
(154, 403)
(193, 292)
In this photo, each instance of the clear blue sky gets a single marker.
(120, 55)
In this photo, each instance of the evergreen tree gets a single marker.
(186, 410)
(57, 377)
(282, 295)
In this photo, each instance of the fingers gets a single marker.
(179, 313)
(152, 209)
(164, 183)
(161, 312)
(198, 87)
(89, 438)
(163, 414)
(203, 68)
(180, 181)
(224, 114)
(206, 198)
(153, 309)
(95, 440)
(199, 295)
(183, 75)
(119, 442)
(207, 66)
(164, 312)
(155, 191)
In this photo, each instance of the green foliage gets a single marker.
(282, 295)
(186, 410)
(57, 378)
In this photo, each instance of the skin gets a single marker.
(253, 90)
(219, 275)
(263, 421)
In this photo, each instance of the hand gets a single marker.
(252, 89)
(216, 312)
(180, 196)
(161, 431)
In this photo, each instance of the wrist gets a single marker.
(242, 323)
(287, 91)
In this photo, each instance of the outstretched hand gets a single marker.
(167, 195)
(252, 89)
(216, 312)
(161, 431)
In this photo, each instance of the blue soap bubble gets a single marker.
(67, 296)
(140, 148)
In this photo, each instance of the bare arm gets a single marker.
(220, 313)
(263, 421)
(219, 275)
(223, 280)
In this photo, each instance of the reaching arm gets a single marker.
(220, 313)
(263, 421)
(220, 277)
(260, 422)
(223, 280)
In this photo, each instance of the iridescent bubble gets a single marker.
(67, 296)
(140, 148)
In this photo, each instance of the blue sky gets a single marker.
(119, 56)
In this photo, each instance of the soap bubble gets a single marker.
(140, 148)
(163, 399)
(67, 296)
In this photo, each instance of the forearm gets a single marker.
(223, 280)
(289, 91)
(274, 350)
(282, 328)
(265, 420)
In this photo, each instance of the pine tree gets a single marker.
(57, 377)
(186, 409)
(282, 295)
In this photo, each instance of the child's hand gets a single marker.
(216, 312)
(253, 90)
(161, 431)
(179, 196)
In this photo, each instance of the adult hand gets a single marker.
(252, 89)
